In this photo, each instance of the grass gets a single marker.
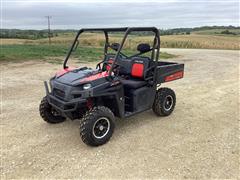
(26, 52)
(54, 53)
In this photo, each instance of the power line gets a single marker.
(49, 29)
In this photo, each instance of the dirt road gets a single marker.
(199, 140)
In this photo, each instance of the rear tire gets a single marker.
(97, 126)
(48, 113)
(164, 102)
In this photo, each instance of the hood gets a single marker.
(78, 76)
(73, 76)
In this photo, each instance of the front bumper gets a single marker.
(66, 106)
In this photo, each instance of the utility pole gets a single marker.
(49, 29)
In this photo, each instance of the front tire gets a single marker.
(97, 126)
(164, 102)
(48, 113)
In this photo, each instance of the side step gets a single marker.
(128, 113)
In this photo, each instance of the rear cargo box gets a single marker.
(169, 71)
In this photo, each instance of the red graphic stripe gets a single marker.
(174, 76)
(95, 76)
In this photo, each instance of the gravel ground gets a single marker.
(199, 140)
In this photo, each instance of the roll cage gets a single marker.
(155, 47)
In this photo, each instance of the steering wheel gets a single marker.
(115, 47)
(108, 66)
(105, 64)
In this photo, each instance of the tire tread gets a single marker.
(86, 124)
(46, 115)
(158, 102)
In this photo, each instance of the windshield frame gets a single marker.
(127, 30)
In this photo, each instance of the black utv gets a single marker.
(120, 86)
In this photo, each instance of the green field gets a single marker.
(19, 52)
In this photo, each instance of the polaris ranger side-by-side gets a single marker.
(120, 86)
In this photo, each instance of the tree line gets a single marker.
(38, 34)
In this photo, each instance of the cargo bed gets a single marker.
(169, 71)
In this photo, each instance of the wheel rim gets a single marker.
(168, 103)
(101, 127)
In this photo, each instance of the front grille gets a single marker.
(59, 93)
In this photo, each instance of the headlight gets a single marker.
(87, 86)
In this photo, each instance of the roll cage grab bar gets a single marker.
(127, 30)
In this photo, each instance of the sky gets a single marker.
(76, 14)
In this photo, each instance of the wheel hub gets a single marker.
(101, 127)
(168, 102)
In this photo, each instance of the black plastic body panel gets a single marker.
(165, 69)
(141, 99)
(74, 98)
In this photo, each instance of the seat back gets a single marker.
(125, 66)
(134, 67)
(139, 66)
